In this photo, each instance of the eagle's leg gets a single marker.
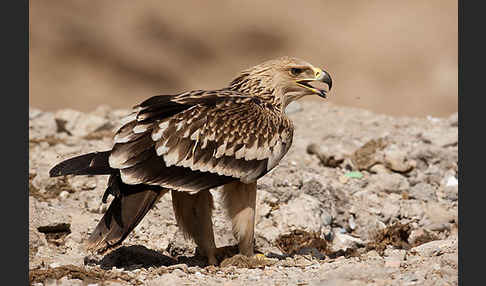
(240, 200)
(193, 215)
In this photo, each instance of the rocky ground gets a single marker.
(360, 199)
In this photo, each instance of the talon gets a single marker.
(260, 256)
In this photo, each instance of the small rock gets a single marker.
(266, 230)
(369, 154)
(420, 236)
(343, 241)
(451, 181)
(54, 265)
(378, 168)
(304, 212)
(373, 254)
(179, 273)
(437, 214)
(63, 195)
(328, 160)
(451, 193)
(435, 248)
(396, 160)
(438, 227)
(423, 191)
(390, 211)
(396, 254)
(351, 223)
(389, 183)
(411, 209)
(182, 267)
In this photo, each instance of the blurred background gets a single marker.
(391, 57)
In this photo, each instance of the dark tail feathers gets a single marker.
(89, 164)
(130, 205)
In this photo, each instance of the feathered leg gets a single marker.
(240, 201)
(193, 215)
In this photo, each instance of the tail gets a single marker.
(130, 205)
(89, 164)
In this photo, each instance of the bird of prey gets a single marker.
(191, 142)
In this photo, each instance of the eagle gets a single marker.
(191, 142)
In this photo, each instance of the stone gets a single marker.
(423, 191)
(389, 211)
(436, 247)
(304, 212)
(389, 183)
(343, 241)
(396, 160)
(451, 193)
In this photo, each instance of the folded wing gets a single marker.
(200, 140)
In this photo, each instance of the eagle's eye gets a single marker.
(296, 71)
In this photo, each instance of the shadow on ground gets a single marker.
(138, 256)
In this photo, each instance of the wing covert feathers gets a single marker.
(200, 139)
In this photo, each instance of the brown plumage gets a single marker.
(194, 141)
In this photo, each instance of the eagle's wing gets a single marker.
(199, 140)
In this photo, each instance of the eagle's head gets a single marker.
(283, 80)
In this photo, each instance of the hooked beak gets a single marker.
(320, 76)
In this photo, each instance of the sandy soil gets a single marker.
(360, 199)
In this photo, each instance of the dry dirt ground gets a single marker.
(360, 199)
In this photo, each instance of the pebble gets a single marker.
(451, 193)
(390, 210)
(379, 168)
(64, 194)
(181, 266)
(423, 191)
(389, 183)
(452, 181)
(398, 254)
(179, 272)
(434, 248)
(54, 265)
(351, 223)
(396, 160)
(343, 241)
(438, 227)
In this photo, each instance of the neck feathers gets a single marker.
(259, 87)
